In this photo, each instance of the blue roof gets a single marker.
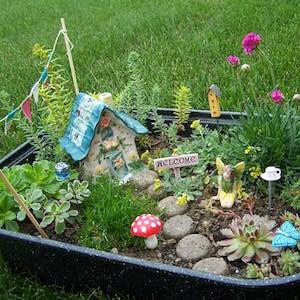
(85, 116)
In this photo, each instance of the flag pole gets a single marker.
(73, 73)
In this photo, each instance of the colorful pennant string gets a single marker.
(26, 109)
(25, 104)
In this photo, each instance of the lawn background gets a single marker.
(179, 41)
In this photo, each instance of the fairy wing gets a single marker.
(289, 229)
(220, 166)
(239, 169)
(282, 241)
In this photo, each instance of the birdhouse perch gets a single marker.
(214, 95)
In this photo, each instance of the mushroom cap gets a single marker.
(146, 225)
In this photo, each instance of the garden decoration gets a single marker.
(106, 98)
(21, 203)
(101, 138)
(176, 162)
(286, 236)
(25, 105)
(271, 174)
(229, 182)
(147, 226)
(62, 171)
(214, 95)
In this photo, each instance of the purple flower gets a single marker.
(233, 60)
(250, 42)
(277, 96)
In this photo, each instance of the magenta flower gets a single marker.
(250, 42)
(233, 60)
(277, 96)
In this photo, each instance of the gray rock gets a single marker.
(159, 194)
(193, 247)
(213, 265)
(142, 180)
(178, 226)
(170, 207)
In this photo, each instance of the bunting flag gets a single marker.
(35, 92)
(26, 109)
(44, 74)
(9, 116)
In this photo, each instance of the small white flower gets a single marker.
(296, 97)
(245, 68)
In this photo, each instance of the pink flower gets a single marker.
(250, 42)
(233, 60)
(277, 96)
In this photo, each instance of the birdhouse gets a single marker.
(101, 138)
(214, 95)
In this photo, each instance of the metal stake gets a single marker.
(270, 194)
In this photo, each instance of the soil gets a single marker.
(206, 221)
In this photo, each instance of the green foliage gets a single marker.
(58, 213)
(291, 193)
(75, 192)
(189, 186)
(253, 271)
(289, 262)
(247, 238)
(133, 99)
(167, 132)
(182, 105)
(7, 214)
(108, 214)
(33, 200)
(274, 131)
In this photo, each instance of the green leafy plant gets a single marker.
(248, 237)
(109, 213)
(253, 271)
(289, 262)
(75, 192)
(33, 199)
(58, 213)
(291, 193)
(7, 214)
(182, 105)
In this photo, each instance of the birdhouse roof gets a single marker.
(85, 116)
(216, 90)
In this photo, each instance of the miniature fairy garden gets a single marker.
(111, 174)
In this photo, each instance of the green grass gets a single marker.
(107, 216)
(179, 41)
(16, 287)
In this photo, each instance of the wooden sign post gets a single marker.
(176, 162)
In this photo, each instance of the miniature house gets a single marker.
(102, 139)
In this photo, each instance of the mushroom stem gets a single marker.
(151, 241)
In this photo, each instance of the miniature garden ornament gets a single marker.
(101, 138)
(147, 226)
(214, 95)
(62, 171)
(271, 174)
(229, 182)
(286, 236)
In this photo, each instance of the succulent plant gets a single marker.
(289, 262)
(248, 238)
(253, 271)
(75, 192)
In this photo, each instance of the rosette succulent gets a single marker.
(248, 238)
(289, 262)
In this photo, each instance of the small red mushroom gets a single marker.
(147, 226)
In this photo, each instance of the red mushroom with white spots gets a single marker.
(147, 226)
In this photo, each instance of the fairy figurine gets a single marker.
(229, 182)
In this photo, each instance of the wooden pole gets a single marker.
(73, 73)
(20, 201)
